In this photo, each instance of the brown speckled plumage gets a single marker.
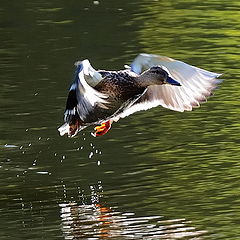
(120, 86)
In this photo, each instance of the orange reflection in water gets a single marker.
(102, 222)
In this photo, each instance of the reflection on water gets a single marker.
(101, 222)
(98, 220)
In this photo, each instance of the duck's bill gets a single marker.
(172, 81)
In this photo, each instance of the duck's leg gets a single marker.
(103, 129)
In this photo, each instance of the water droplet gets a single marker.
(42, 172)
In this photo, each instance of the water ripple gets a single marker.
(101, 221)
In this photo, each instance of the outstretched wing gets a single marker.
(82, 98)
(197, 85)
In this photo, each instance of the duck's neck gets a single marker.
(145, 80)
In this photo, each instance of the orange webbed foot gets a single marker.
(103, 129)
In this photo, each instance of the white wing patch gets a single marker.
(90, 94)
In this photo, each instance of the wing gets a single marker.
(82, 98)
(197, 85)
(91, 76)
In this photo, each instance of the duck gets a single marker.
(101, 97)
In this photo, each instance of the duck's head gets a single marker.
(157, 76)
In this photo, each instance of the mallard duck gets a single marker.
(99, 97)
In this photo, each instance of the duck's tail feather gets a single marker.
(64, 129)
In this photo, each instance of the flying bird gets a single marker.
(100, 97)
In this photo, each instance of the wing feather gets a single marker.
(197, 85)
(84, 97)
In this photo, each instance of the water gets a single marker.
(157, 174)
